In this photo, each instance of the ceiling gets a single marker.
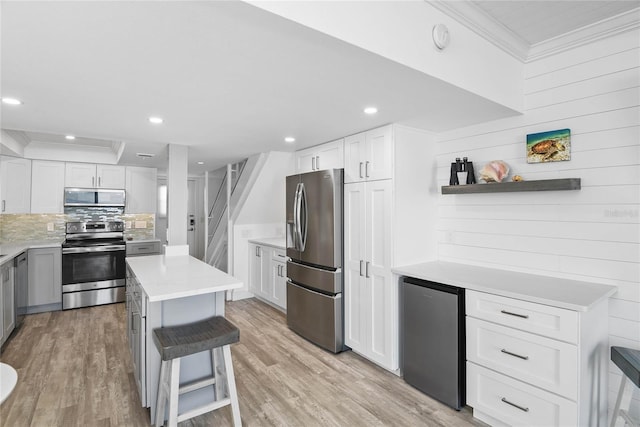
(229, 79)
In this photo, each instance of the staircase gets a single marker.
(227, 190)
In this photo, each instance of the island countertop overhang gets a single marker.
(169, 277)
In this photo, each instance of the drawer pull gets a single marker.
(522, 408)
(523, 316)
(514, 354)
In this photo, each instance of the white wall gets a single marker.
(592, 234)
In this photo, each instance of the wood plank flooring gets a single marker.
(74, 369)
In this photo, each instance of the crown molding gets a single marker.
(618, 24)
(481, 23)
(494, 32)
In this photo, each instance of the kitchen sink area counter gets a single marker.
(166, 291)
(274, 242)
(536, 346)
(8, 251)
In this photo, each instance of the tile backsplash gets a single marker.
(21, 227)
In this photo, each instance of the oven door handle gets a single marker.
(112, 248)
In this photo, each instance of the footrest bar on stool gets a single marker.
(204, 409)
(196, 385)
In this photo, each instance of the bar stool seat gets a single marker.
(628, 360)
(214, 334)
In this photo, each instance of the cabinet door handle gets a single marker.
(318, 162)
(522, 408)
(361, 262)
(4, 205)
(522, 316)
(367, 270)
(366, 169)
(93, 181)
(514, 354)
(361, 170)
(313, 163)
(99, 181)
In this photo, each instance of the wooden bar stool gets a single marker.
(628, 361)
(179, 341)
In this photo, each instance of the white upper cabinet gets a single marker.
(87, 175)
(320, 157)
(142, 190)
(47, 186)
(15, 192)
(368, 156)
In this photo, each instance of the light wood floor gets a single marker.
(74, 369)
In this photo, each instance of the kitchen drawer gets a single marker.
(279, 255)
(553, 322)
(143, 248)
(496, 395)
(543, 362)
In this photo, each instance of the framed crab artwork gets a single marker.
(551, 146)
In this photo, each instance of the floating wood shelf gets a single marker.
(509, 187)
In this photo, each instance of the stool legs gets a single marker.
(162, 393)
(231, 385)
(223, 381)
(174, 392)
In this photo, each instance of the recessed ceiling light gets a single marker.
(70, 137)
(370, 110)
(156, 120)
(201, 163)
(11, 101)
(289, 139)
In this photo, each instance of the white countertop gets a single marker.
(11, 250)
(276, 242)
(168, 277)
(557, 292)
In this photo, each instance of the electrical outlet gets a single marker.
(49, 226)
(141, 224)
(127, 224)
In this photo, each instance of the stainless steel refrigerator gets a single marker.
(315, 307)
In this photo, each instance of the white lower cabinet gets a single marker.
(7, 302)
(45, 279)
(268, 274)
(506, 401)
(534, 364)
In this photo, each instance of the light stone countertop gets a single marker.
(169, 277)
(275, 242)
(13, 249)
(557, 292)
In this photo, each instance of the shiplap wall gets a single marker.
(590, 235)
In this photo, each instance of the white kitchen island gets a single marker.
(168, 291)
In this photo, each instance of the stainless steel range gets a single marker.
(93, 264)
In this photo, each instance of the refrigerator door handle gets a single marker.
(296, 217)
(361, 262)
(303, 217)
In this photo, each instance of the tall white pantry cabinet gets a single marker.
(390, 196)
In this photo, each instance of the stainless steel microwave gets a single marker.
(94, 197)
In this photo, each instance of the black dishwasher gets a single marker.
(433, 340)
